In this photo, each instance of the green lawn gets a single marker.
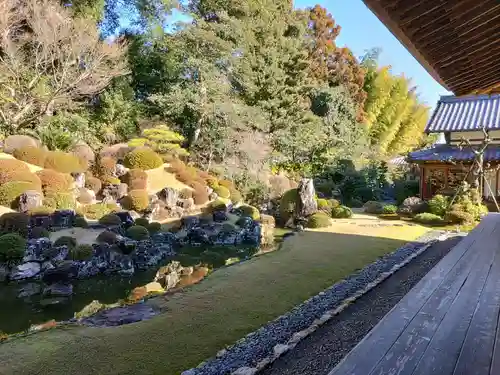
(197, 323)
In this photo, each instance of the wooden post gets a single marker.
(422, 182)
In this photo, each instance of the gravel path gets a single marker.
(318, 353)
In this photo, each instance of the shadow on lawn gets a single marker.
(196, 323)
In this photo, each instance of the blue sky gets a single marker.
(362, 30)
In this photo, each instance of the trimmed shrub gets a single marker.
(54, 181)
(216, 205)
(93, 184)
(138, 184)
(318, 220)
(212, 181)
(42, 210)
(39, 232)
(322, 204)
(107, 237)
(11, 165)
(186, 193)
(143, 158)
(428, 218)
(16, 222)
(12, 247)
(200, 195)
(80, 222)
(32, 155)
(60, 201)
(438, 205)
(341, 212)
(333, 203)
(373, 207)
(136, 200)
(459, 217)
(83, 151)
(288, 203)
(11, 191)
(250, 211)
(105, 166)
(213, 259)
(111, 180)
(135, 174)
(81, 252)
(389, 216)
(20, 176)
(141, 221)
(390, 209)
(235, 196)
(68, 241)
(184, 176)
(85, 197)
(153, 227)
(137, 233)
(63, 162)
(226, 183)
(110, 220)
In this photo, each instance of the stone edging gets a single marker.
(282, 348)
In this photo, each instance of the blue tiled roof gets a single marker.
(465, 114)
(447, 153)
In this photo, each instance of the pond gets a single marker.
(19, 312)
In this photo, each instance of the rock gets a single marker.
(245, 222)
(373, 207)
(44, 326)
(245, 371)
(83, 151)
(198, 237)
(63, 218)
(4, 272)
(169, 196)
(30, 200)
(36, 249)
(58, 290)
(29, 289)
(122, 191)
(25, 271)
(86, 196)
(89, 310)
(169, 276)
(53, 301)
(62, 273)
(154, 287)
(411, 206)
(187, 271)
(120, 170)
(219, 216)
(14, 142)
(307, 204)
(121, 315)
(213, 196)
(137, 294)
(186, 204)
(88, 269)
(57, 254)
(79, 179)
(117, 151)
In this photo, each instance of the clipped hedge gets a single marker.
(32, 155)
(11, 191)
(341, 212)
(16, 222)
(153, 227)
(138, 184)
(136, 200)
(459, 217)
(137, 233)
(97, 210)
(222, 192)
(12, 247)
(143, 158)
(141, 221)
(54, 181)
(94, 184)
(110, 220)
(199, 194)
(105, 166)
(64, 162)
(39, 232)
(107, 237)
(11, 165)
(111, 180)
(60, 201)
(81, 252)
(390, 209)
(20, 176)
(235, 196)
(68, 241)
(318, 220)
(250, 211)
(135, 174)
(80, 222)
(42, 210)
(226, 183)
(428, 218)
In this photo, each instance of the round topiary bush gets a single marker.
(288, 203)
(200, 194)
(136, 200)
(216, 205)
(135, 174)
(235, 196)
(137, 233)
(105, 166)
(222, 192)
(213, 259)
(20, 176)
(11, 191)
(322, 204)
(98, 210)
(54, 181)
(11, 165)
(68, 241)
(83, 151)
(459, 217)
(12, 247)
(60, 201)
(107, 237)
(94, 184)
(341, 212)
(81, 252)
(63, 162)
(15, 222)
(250, 211)
(428, 218)
(154, 227)
(438, 205)
(138, 184)
(110, 220)
(318, 220)
(39, 232)
(390, 209)
(141, 221)
(226, 183)
(80, 222)
(143, 158)
(212, 181)
(32, 155)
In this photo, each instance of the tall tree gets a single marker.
(410, 133)
(378, 87)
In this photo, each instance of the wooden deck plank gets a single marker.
(443, 351)
(477, 350)
(365, 356)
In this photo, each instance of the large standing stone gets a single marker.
(307, 205)
(169, 276)
(169, 196)
(25, 271)
(30, 200)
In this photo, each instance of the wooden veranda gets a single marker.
(448, 324)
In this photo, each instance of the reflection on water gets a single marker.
(21, 306)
